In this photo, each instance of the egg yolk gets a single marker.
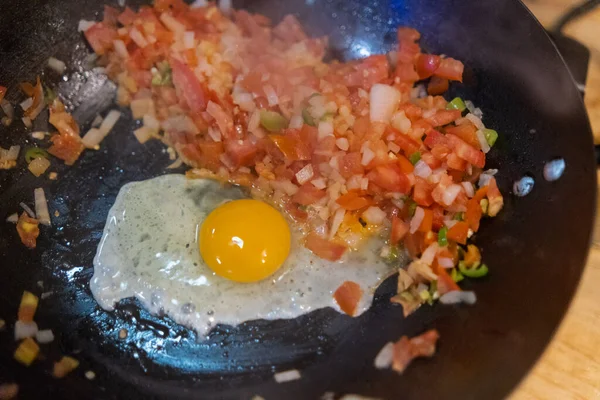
(244, 240)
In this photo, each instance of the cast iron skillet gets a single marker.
(536, 247)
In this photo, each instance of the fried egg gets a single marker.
(169, 242)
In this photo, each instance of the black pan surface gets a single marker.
(536, 248)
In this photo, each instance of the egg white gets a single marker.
(149, 250)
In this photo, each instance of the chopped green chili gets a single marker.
(272, 121)
(456, 104)
(459, 216)
(415, 157)
(456, 276)
(477, 271)
(490, 136)
(425, 295)
(308, 119)
(35, 152)
(442, 239)
(49, 95)
(412, 207)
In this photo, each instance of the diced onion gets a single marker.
(367, 156)
(27, 122)
(393, 147)
(120, 48)
(319, 183)
(401, 122)
(172, 24)
(41, 205)
(180, 123)
(342, 144)
(458, 296)
(44, 336)
(14, 218)
(25, 104)
(486, 176)
(337, 220)
(92, 138)
(325, 129)
(138, 38)
(296, 122)
(85, 25)
(199, 4)
(485, 146)
(422, 169)
(188, 39)
(109, 121)
(143, 134)
(272, 97)
(374, 215)
(305, 174)
(151, 122)
(141, 107)
(97, 121)
(416, 220)
(450, 223)
(472, 109)
(429, 254)
(469, 189)
(39, 135)
(286, 376)
(384, 100)
(450, 194)
(57, 65)
(27, 209)
(475, 120)
(8, 110)
(175, 164)
(445, 262)
(215, 134)
(286, 186)
(25, 329)
(385, 356)
(11, 154)
(225, 6)
(38, 166)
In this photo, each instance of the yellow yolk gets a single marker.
(244, 240)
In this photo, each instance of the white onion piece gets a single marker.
(374, 215)
(151, 122)
(385, 356)
(188, 39)
(25, 104)
(450, 223)
(11, 154)
(325, 129)
(472, 109)
(429, 254)
(416, 220)
(286, 186)
(27, 122)
(401, 122)
(109, 121)
(364, 183)
(25, 329)
(422, 169)
(215, 134)
(27, 209)
(469, 189)
(175, 164)
(180, 123)
(225, 6)
(121, 49)
(367, 156)
(319, 183)
(384, 100)
(485, 147)
(451, 193)
(138, 38)
(342, 144)
(41, 206)
(92, 138)
(445, 262)
(286, 376)
(475, 120)
(296, 122)
(199, 4)
(57, 65)
(305, 174)
(337, 220)
(143, 134)
(39, 135)
(44, 336)
(14, 218)
(272, 97)
(458, 296)
(8, 109)
(85, 25)
(486, 176)
(172, 24)
(393, 147)
(97, 121)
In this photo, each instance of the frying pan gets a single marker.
(536, 247)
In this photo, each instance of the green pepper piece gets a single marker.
(490, 136)
(272, 121)
(415, 157)
(412, 207)
(442, 239)
(49, 95)
(35, 152)
(456, 276)
(477, 271)
(456, 104)
(393, 255)
(459, 216)
(308, 119)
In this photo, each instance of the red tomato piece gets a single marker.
(434, 138)
(66, 147)
(354, 200)
(188, 86)
(458, 232)
(422, 192)
(28, 230)
(324, 248)
(127, 17)
(399, 230)
(211, 152)
(390, 177)
(450, 69)
(445, 283)
(2, 92)
(437, 86)
(100, 37)
(407, 144)
(350, 164)
(466, 152)
(367, 72)
(308, 194)
(444, 117)
(405, 165)
(405, 72)
(348, 296)
(456, 162)
(427, 64)
(292, 147)
(467, 132)
(290, 30)
(241, 152)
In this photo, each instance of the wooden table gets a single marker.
(570, 367)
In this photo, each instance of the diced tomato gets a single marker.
(427, 222)
(444, 117)
(110, 16)
(445, 283)
(406, 350)
(223, 120)
(348, 296)
(324, 248)
(66, 147)
(459, 232)
(474, 211)
(399, 230)
(405, 72)
(28, 230)
(405, 165)
(408, 145)
(354, 200)
(127, 17)
(308, 194)
(466, 152)
(413, 242)
(450, 69)
(292, 147)
(434, 138)
(456, 162)
(407, 48)
(467, 132)
(100, 37)
(437, 86)
(440, 151)
(429, 237)
(290, 30)
(407, 34)
(2, 92)
(367, 72)
(188, 86)
(211, 152)
(390, 177)
(427, 64)
(438, 217)
(241, 152)
(413, 112)
(496, 201)
(422, 192)
(431, 160)
(350, 164)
